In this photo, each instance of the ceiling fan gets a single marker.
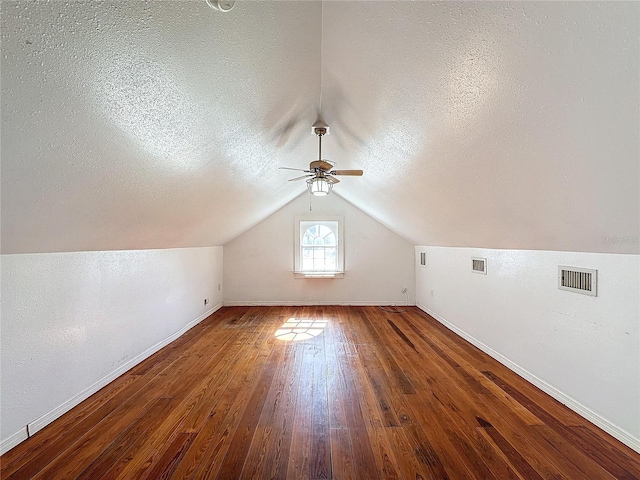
(320, 176)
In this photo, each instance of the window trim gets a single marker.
(297, 261)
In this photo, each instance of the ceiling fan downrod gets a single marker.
(320, 132)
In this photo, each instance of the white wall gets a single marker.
(583, 350)
(258, 265)
(72, 322)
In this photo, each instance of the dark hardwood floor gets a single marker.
(358, 393)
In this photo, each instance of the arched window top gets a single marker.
(319, 235)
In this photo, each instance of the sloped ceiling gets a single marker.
(133, 125)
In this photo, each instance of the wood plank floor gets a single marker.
(358, 393)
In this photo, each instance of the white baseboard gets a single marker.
(312, 303)
(60, 410)
(573, 404)
(13, 440)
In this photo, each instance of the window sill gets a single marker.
(318, 274)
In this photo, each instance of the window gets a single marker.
(319, 247)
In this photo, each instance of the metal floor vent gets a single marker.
(479, 265)
(579, 280)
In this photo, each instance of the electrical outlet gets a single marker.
(219, 287)
(404, 290)
(432, 293)
(206, 301)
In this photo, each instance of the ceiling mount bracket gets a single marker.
(320, 127)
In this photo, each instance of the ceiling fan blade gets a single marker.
(300, 178)
(297, 169)
(322, 165)
(331, 179)
(357, 173)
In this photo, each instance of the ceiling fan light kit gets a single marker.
(320, 176)
(319, 187)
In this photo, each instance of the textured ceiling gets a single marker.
(132, 125)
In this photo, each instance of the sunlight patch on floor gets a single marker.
(295, 329)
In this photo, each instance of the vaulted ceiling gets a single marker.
(134, 125)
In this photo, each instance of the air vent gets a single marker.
(423, 259)
(479, 265)
(579, 280)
